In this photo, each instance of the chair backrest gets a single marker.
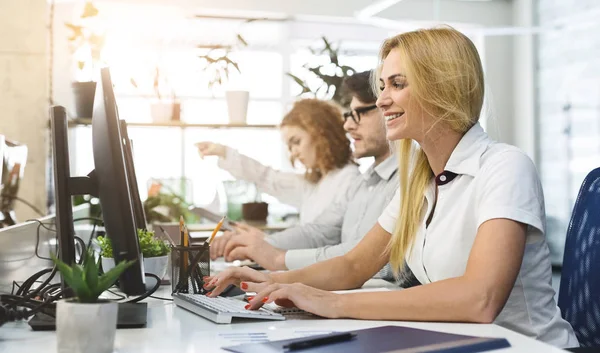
(579, 296)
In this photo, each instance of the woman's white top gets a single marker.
(293, 189)
(493, 180)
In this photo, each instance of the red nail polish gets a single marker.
(209, 293)
(250, 298)
(247, 307)
(265, 299)
(244, 285)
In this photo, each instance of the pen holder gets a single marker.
(189, 265)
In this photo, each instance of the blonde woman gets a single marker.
(468, 218)
(314, 133)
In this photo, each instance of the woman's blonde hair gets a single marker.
(445, 77)
(325, 124)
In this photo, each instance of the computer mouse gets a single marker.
(232, 291)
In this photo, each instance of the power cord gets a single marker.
(7, 314)
(27, 203)
(148, 292)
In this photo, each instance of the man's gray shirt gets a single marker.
(343, 224)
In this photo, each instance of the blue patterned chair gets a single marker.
(579, 295)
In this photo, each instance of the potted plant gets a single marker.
(218, 64)
(162, 109)
(331, 84)
(166, 207)
(85, 323)
(154, 250)
(86, 43)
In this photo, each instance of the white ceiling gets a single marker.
(488, 13)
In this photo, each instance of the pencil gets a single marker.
(185, 251)
(183, 283)
(181, 223)
(219, 225)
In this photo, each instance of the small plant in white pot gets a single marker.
(219, 63)
(166, 107)
(154, 250)
(85, 323)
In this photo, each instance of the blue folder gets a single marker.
(397, 339)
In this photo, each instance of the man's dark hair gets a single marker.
(359, 86)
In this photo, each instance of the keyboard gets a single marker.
(222, 310)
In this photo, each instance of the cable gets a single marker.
(120, 297)
(83, 248)
(168, 299)
(7, 314)
(37, 210)
(149, 292)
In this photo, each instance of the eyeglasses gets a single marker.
(355, 113)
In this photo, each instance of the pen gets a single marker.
(320, 341)
(167, 235)
(219, 225)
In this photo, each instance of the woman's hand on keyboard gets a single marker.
(246, 278)
(316, 301)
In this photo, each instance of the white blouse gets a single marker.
(486, 180)
(310, 199)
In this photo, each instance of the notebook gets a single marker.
(397, 339)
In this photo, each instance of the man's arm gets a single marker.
(326, 230)
(299, 258)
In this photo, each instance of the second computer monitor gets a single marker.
(114, 184)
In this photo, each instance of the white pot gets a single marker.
(237, 106)
(86, 328)
(155, 265)
(165, 112)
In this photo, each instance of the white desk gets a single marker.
(172, 329)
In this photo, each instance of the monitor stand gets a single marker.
(130, 315)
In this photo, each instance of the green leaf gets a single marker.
(234, 64)
(109, 278)
(65, 271)
(80, 287)
(242, 40)
(91, 270)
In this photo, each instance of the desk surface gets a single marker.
(172, 329)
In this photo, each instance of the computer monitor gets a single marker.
(110, 181)
(138, 208)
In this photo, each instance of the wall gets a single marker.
(23, 91)
(568, 105)
(523, 79)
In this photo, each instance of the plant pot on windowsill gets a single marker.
(86, 327)
(255, 211)
(83, 93)
(164, 112)
(237, 106)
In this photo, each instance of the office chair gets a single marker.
(579, 294)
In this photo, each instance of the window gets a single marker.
(163, 40)
(568, 108)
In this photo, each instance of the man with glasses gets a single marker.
(344, 223)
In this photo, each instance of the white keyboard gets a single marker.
(221, 310)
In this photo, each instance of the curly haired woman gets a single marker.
(313, 131)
